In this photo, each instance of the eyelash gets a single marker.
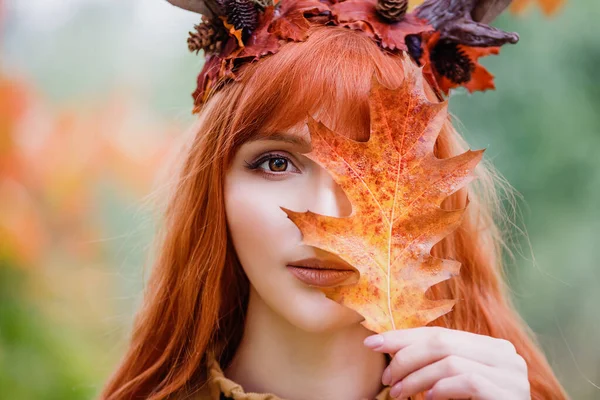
(254, 165)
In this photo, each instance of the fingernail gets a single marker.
(396, 390)
(374, 341)
(387, 376)
(429, 395)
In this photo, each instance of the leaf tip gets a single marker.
(287, 211)
(478, 154)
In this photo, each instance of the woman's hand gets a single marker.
(452, 364)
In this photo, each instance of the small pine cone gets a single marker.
(392, 10)
(451, 62)
(242, 14)
(209, 36)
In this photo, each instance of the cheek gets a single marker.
(265, 240)
(260, 230)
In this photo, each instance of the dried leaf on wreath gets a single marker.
(260, 42)
(236, 33)
(362, 15)
(207, 77)
(449, 65)
(395, 185)
(292, 23)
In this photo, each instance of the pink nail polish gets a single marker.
(373, 341)
(396, 390)
(387, 376)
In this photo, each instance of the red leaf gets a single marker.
(222, 65)
(260, 42)
(481, 79)
(211, 71)
(292, 23)
(361, 14)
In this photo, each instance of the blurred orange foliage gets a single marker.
(549, 7)
(58, 164)
(53, 163)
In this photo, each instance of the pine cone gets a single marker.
(209, 36)
(241, 14)
(392, 10)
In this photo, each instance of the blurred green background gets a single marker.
(94, 94)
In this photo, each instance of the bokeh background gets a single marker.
(94, 97)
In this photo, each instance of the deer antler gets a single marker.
(466, 21)
(486, 11)
(208, 8)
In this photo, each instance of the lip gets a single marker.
(320, 273)
(317, 263)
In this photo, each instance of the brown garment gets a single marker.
(220, 387)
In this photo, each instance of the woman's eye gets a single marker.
(275, 164)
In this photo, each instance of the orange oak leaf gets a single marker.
(395, 185)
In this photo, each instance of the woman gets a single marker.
(223, 316)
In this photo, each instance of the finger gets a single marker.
(466, 386)
(426, 377)
(435, 348)
(395, 340)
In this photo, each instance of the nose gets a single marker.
(328, 197)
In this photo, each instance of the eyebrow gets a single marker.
(285, 137)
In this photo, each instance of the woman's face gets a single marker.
(266, 174)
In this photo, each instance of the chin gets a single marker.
(315, 313)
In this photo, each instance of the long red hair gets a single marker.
(197, 293)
